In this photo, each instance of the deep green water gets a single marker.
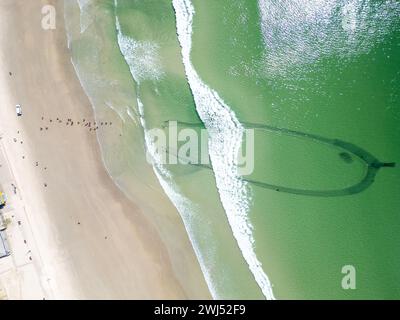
(299, 67)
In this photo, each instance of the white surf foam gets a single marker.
(184, 206)
(187, 211)
(86, 18)
(225, 137)
(142, 57)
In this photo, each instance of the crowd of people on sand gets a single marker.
(90, 125)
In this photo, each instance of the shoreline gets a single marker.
(66, 190)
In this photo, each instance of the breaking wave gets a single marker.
(225, 138)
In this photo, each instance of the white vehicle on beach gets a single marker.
(18, 109)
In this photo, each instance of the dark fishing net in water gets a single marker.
(351, 151)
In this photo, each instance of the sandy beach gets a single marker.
(73, 233)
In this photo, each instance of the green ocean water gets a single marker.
(297, 66)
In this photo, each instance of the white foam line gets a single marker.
(182, 204)
(141, 56)
(85, 19)
(225, 137)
